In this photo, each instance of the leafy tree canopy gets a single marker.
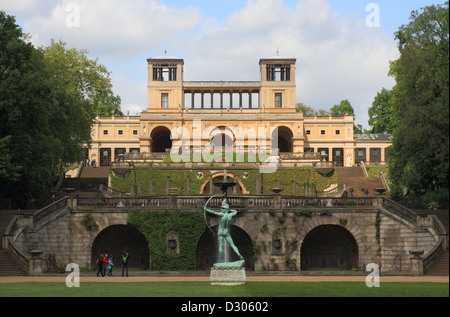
(419, 161)
(380, 114)
(49, 100)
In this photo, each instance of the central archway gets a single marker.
(205, 187)
(329, 247)
(113, 240)
(207, 248)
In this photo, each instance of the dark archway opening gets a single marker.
(115, 239)
(160, 140)
(284, 137)
(329, 247)
(207, 248)
(237, 190)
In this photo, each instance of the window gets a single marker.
(308, 132)
(120, 132)
(163, 72)
(135, 132)
(278, 100)
(164, 100)
(322, 132)
(105, 132)
(337, 132)
(324, 154)
(281, 72)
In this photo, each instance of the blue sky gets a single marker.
(339, 56)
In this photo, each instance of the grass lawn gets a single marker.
(204, 289)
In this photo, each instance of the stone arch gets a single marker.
(207, 248)
(329, 247)
(240, 189)
(284, 137)
(221, 139)
(114, 239)
(160, 139)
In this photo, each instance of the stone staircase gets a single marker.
(354, 176)
(8, 266)
(87, 185)
(440, 268)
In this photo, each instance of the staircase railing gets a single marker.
(364, 170)
(13, 230)
(442, 236)
(52, 211)
(38, 220)
(399, 210)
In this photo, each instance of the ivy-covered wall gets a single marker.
(155, 226)
(178, 179)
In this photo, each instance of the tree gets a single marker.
(343, 108)
(47, 108)
(380, 114)
(107, 104)
(419, 159)
(307, 111)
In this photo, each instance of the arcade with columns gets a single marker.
(238, 116)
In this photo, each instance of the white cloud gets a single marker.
(337, 57)
(113, 29)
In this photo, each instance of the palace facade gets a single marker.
(186, 117)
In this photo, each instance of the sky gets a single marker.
(343, 47)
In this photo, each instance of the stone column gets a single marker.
(258, 189)
(139, 187)
(294, 186)
(210, 184)
(151, 186)
(168, 185)
(188, 185)
(417, 262)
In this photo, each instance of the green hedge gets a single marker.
(178, 179)
(155, 226)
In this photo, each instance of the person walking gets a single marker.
(125, 260)
(110, 265)
(104, 264)
(100, 264)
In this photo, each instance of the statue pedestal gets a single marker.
(227, 276)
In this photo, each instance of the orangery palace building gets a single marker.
(238, 116)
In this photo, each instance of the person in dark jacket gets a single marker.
(100, 264)
(125, 260)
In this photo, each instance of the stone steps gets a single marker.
(8, 267)
(354, 176)
(441, 267)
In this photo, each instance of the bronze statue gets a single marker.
(226, 214)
